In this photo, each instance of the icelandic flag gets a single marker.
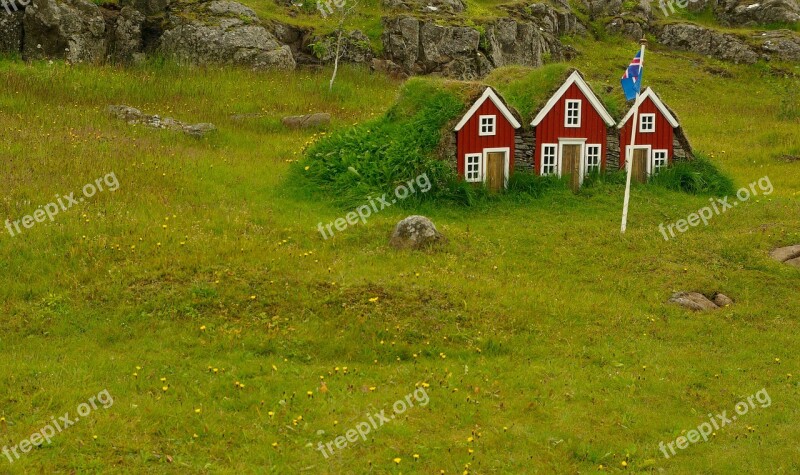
(632, 79)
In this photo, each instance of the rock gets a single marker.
(415, 232)
(511, 42)
(132, 116)
(442, 45)
(705, 41)
(126, 36)
(306, 121)
(147, 7)
(721, 300)
(389, 68)
(627, 27)
(783, 254)
(443, 6)
(401, 41)
(793, 262)
(757, 12)
(222, 32)
(781, 44)
(426, 47)
(693, 301)
(199, 130)
(71, 29)
(603, 8)
(355, 48)
(11, 31)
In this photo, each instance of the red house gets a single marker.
(659, 138)
(485, 141)
(571, 132)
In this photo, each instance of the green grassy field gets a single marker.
(202, 297)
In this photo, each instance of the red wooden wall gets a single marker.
(660, 139)
(551, 128)
(468, 140)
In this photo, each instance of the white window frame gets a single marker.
(555, 160)
(652, 123)
(655, 168)
(567, 117)
(492, 125)
(589, 167)
(479, 157)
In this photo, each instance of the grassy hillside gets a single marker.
(538, 332)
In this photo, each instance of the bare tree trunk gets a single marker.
(336, 58)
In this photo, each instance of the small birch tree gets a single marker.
(337, 10)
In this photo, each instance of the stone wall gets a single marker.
(524, 145)
(612, 154)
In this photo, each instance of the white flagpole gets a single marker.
(629, 158)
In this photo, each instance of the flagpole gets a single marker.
(629, 159)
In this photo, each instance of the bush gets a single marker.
(375, 157)
(698, 176)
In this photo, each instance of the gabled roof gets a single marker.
(660, 105)
(577, 79)
(489, 94)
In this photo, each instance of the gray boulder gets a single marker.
(705, 41)
(722, 300)
(134, 116)
(415, 232)
(306, 121)
(693, 301)
(71, 29)
(222, 32)
(11, 31)
(789, 255)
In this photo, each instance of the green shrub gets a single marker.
(531, 184)
(698, 176)
(375, 157)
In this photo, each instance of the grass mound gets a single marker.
(376, 156)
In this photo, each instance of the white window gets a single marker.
(647, 123)
(487, 125)
(549, 159)
(572, 117)
(473, 171)
(592, 158)
(659, 160)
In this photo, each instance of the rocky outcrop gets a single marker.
(354, 48)
(757, 12)
(71, 29)
(11, 31)
(780, 44)
(125, 36)
(222, 32)
(424, 47)
(705, 41)
(426, 6)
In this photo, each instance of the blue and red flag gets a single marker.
(632, 79)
